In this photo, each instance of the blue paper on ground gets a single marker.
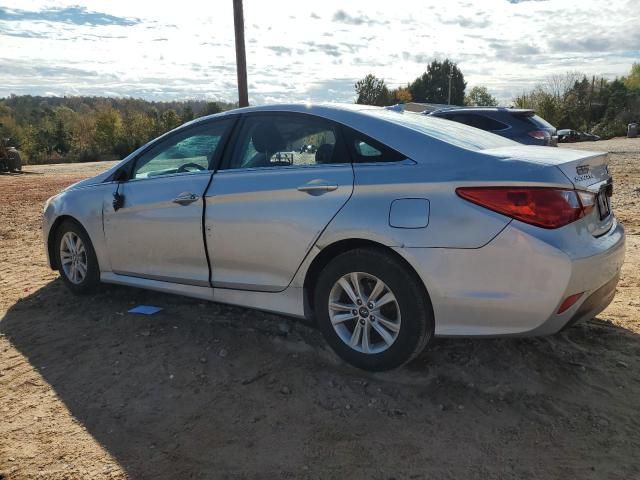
(145, 309)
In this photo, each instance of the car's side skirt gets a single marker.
(287, 302)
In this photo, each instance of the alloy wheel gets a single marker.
(364, 312)
(73, 257)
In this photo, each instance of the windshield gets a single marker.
(448, 131)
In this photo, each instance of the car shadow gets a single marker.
(203, 390)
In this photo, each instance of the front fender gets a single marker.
(84, 205)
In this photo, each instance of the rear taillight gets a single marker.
(543, 207)
(588, 200)
(539, 134)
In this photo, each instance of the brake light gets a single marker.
(539, 206)
(539, 134)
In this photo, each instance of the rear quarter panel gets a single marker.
(452, 222)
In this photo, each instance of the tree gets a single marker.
(169, 120)
(187, 114)
(212, 108)
(433, 85)
(543, 102)
(108, 131)
(62, 138)
(372, 91)
(632, 82)
(401, 95)
(480, 97)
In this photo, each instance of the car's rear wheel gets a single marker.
(76, 258)
(372, 309)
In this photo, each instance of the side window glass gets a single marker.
(282, 140)
(489, 124)
(189, 151)
(479, 121)
(367, 150)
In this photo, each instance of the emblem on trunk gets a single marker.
(582, 169)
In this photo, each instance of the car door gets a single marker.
(277, 189)
(157, 233)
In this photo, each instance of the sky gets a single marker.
(304, 51)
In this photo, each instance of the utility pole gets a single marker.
(449, 97)
(241, 57)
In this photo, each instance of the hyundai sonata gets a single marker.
(386, 227)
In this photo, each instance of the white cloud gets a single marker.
(297, 52)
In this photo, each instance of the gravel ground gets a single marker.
(203, 390)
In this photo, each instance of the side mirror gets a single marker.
(119, 176)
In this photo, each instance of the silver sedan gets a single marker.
(386, 227)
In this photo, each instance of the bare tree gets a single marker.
(558, 85)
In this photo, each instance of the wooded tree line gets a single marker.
(573, 100)
(591, 104)
(68, 129)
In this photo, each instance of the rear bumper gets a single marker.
(596, 302)
(516, 283)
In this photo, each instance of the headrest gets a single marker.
(324, 154)
(267, 138)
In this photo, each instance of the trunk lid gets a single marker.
(586, 170)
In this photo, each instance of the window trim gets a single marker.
(234, 143)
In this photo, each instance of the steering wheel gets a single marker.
(187, 166)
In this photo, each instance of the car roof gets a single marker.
(411, 134)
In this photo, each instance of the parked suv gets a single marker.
(521, 125)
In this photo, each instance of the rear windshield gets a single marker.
(538, 121)
(454, 133)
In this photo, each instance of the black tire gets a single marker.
(417, 324)
(91, 280)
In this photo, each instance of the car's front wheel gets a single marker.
(372, 310)
(76, 258)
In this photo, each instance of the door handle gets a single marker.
(312, 187)
(185, 198)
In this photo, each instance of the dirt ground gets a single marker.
(203, 390)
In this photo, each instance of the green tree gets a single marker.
(632, 81)
(544, 103)
(169, 120)
(61, 137)
(479, 96)
(187, 114)
(108, 132)
(372, 91)
(138, 128)
(211, 108)
(433, 85)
